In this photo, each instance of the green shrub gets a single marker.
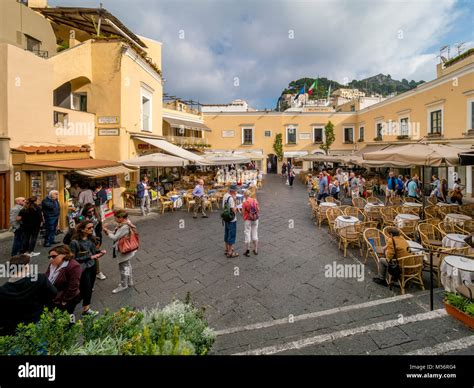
(177, 329)
(470, 309)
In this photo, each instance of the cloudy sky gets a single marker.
(265, 44)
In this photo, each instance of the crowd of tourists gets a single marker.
(73, 263)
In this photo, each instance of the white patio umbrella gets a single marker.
(156, 160)
(220, 160)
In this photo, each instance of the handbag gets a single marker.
(393, 266)
(129, 243)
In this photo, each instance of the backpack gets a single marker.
(129, 243)
(253, 212)
(228, 214)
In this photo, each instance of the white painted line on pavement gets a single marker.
(444, 347)
(379, 326)
(317, 314)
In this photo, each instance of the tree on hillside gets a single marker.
(329, 137)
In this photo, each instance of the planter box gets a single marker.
(465, 318)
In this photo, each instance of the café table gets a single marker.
(370, 206)
(343, 221)
(401, 218)
(458, 219)
(455, 270)
(454, 240)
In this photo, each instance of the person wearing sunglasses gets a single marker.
(86, 254)
(65, 274)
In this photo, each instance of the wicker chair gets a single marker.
(355, 212)
(467, 209)
(444, 210)
(388, 216)
(431, 212)
(373, 213)
(466, 228)
(395, 201)
(350, 235)
(359, 202)
(411, 268)
(374, 243)
(373, 200)
(331, 215)
(430, 236)
(447, 227)
(432, 201)
(409, 228)
(165, 204)
(333, 200)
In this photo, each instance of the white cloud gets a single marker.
(250, 40)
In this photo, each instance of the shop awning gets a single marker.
(156, 160)
(220, 160)
(103, 172)
(419, 154)
(323, 158)
(294, 154)
(174, 150)
(371, 148)
(94, 168)
(177, 123)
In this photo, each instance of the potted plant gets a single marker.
(460, 308)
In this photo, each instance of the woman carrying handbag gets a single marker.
(126, 244)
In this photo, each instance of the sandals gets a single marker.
(233, 254)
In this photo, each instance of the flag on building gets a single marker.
(329, 95)
(302, 91)
(313, 87)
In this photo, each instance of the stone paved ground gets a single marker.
(180, 254)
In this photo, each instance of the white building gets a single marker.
(234, 106)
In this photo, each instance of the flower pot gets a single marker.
(465, 318)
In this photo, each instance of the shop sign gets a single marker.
(105, 120)
(228, 133)
(305, 136)
(109, 132)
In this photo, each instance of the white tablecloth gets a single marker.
(454, 240)
(341, 222)
(455, 270)
(417, 249)
(401, 218)
(458, 219)
(412, 204)
(328, 204)
(370, 206)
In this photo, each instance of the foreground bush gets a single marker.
(177, 329)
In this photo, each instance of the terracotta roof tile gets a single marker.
(51, 149)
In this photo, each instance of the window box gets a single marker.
(348, 142)
(469, 132)
(436, 134)
(318, 142)
(360, 140)
(378, 138)
(401, 137)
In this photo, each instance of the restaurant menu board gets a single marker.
(105, 209)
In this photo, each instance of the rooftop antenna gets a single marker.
(459, 47)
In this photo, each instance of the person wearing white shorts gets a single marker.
(251, 214)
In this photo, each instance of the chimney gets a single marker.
(37, 3)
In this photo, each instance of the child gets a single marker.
(123, 229)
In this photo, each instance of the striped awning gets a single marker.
(103, 172)
(178, 123)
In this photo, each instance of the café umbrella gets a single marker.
(156, 160)
(418, 154)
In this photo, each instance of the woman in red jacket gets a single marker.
(65, 274)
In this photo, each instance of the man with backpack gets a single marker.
(250, 213)
(229, 218)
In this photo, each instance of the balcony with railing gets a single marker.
(40, 53)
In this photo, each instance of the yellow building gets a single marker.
(79, 85)
(439, 111)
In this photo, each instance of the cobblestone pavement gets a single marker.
(283, 292)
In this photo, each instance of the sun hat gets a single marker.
(233, 188)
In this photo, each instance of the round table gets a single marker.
(456, 218)
(415, 247)
(454, 240)
(455, 270)
(328, 204)
(369, 206)
(401, 218)
(343, 221)
(412, 204)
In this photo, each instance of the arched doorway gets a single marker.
(272, 164)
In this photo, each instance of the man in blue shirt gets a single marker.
(323, 187)
(143, 194)
(198, 194)
(392, 185)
